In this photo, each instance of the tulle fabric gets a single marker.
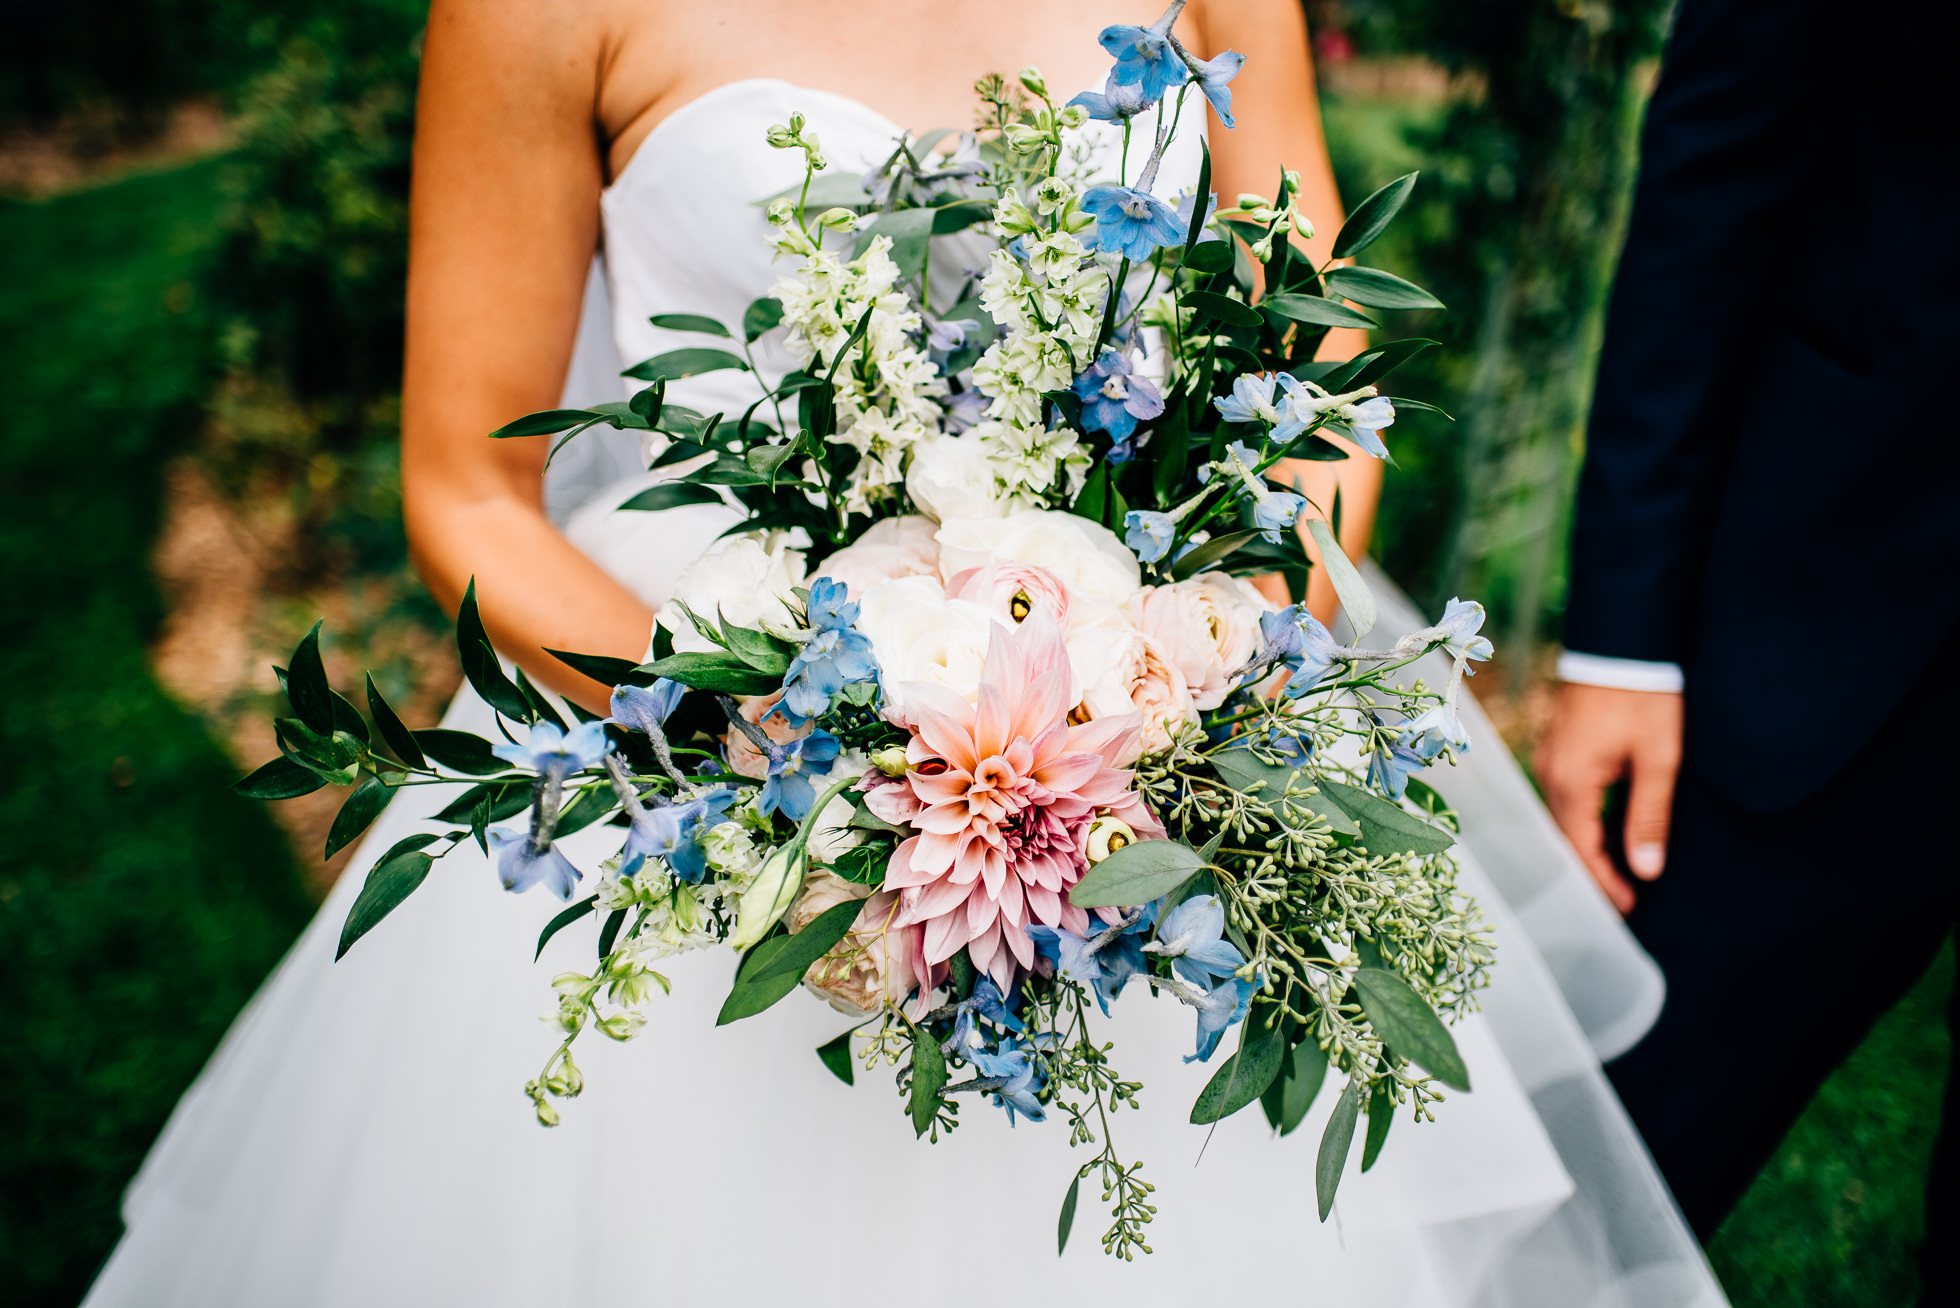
(360, 1137)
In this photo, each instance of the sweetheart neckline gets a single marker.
(688, 107)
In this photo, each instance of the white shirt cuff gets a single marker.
(1619, 674)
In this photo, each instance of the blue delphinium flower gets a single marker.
(963, 410)
(1276, 511)
(1390, 765)
(642, 708)
(1218, 1009)
(1113, 398)
(985, 1001)
(554, 754)
(522, 862)
(1130, 222)
(1105, 960)
(1115, 102)
(1213, 76)
(1192, 937)
(1144, 57)
(1022, 1076)
(1297, 639)
(1149, 533)
(836, 654)
(1366, 420)
(1253, 399)
(674, 831)
(788, 787)
(1462, 620)
(1434, 730)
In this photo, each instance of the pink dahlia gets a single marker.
(1001, 794)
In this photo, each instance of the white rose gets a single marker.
(892, 548)
(920, 635)
(747, 579)
(1207, 626)
(1100, 573)
(952, 477)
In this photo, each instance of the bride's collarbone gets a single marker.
(912, 61)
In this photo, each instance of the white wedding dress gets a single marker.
(360, 1140)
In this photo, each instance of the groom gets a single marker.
(1763, 627)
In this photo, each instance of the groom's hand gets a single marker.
(1599, 736)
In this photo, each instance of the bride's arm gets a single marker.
(504, 218)
(1278, 114)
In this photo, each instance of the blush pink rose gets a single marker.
(1013, 591)
(893, 547)
(1121, 671)
(877, 964)
(1207, 626)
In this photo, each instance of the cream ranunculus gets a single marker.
(876, 964)
(747, 579)
(1207, 627)
(952, 477)
(918, 634)
(1098, 572)
(1120, 670)
(893, 547)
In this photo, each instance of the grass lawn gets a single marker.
(140, 901)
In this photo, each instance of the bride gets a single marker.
(359, 1137)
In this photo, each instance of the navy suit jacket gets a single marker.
(1771, 491)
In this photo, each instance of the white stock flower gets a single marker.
(748, 579)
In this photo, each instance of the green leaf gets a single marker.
(1293, 1091)
(1209, 258)
(1334, 1145)
(541, 709)
(762, 652)
(768, 460)
(306, 685)
(593, 803)
(480, 664)
(1357, 601)
(1366, 369)
(280, 779)
(360, 810)
(727, 674)
(762, 985)
(1136, 874)
(1400, 1017)
(1212, 551)
(563, 920)
(393, 879)
(928, 1078)
(460, 751)
(1170, 446)
(1067, 1221)
(959, 215)
(1368, 221)
(609, 933)
(730, 470)
(648, 403)
(548, 423)
(347, 718)
(1381, 1115)
(689, 322)
(761, 316)
(1222, 307)
(671, 495)
(506, 799)
(1094, 495)
(1240, 770)
(1200, 203)
(398, 737)
(1315, 311)
(836, 1055)
(1241, 1079)
(602, 668)
(1386, 827)
(676, 364)
(1379, 290)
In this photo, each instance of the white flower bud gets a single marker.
(784, 138)
(1072, 117)
(781, 211)
(1078, 220)
(1032, 79)
(1024, 139)
(768, 897)
(1301, 225)
(1106, 836)
(837, 220)
(891, 761)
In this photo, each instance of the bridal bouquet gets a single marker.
(975, 723)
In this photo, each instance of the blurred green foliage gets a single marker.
(141, 902)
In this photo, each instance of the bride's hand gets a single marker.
(1599, 736)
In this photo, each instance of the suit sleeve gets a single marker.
(1730, 148)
